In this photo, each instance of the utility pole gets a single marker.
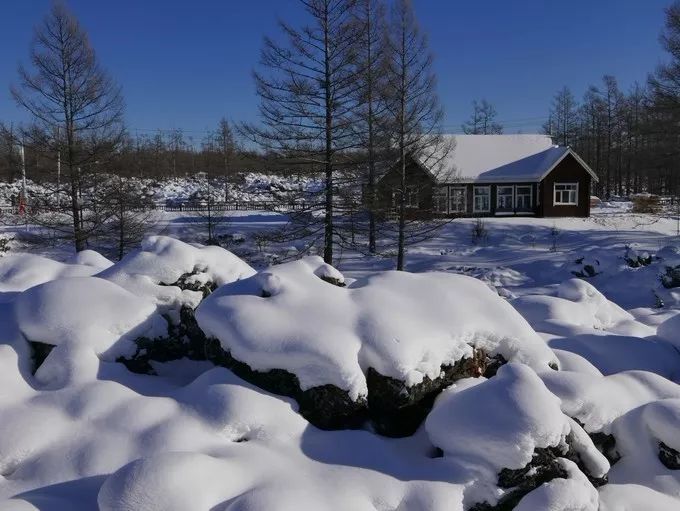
(58, 178)
(22, 153)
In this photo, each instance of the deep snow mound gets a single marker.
(577, 302)
(162, 261)
(406, 326)
(511, 431)
(402, 336)
(19, 272)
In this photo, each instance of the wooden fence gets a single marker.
(280, 207)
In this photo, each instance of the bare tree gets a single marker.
(306, 101)
(226, 145)
(563, 121)
(370, 113)
(482, 120)
(76, 106)
(127, 213)
(414, 111)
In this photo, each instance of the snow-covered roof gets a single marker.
(500, 158)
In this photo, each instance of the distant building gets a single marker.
(495, 175)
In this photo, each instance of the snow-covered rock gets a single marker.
(511, 428)
(577, 302)
(406, 327)
(161, 261)
(21, 271)
(85, 311)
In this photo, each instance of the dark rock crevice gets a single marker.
(669, 457)
(39, 352)
(397, 410)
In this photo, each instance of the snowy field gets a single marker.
(537, 368)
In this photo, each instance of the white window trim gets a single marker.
(412, 190)
(498, 198)
(555, 203)
(465, 205)
(446, 197)
(531, 195)
(474, 202)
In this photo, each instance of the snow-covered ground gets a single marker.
(552, 347)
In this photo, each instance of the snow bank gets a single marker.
(572, 494)
(498, 423)
(577, 302)
(22, 271)
(639, 434)
(405, 326)
(163, 260)
(669, 331)
(635, 497)
(84, 310)
(596, 401)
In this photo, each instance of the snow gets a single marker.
(576, 302)
(163, 260)
(572, 494)
(85, 433)
(43, 315)
(21, 271)
(474, 155)
(405, 326)
(635, 497)
(498, 423)
(638, 434)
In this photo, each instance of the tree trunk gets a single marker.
(328, 218)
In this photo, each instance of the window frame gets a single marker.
(530, 195)
(574, 189)
(474, 197)
(499, 195)
(412, 191)
(453, 189)
(439, 193)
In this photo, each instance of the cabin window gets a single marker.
(523, 198)
(458, 202)
(412, 197)
(440, 199)
(566, 194)
(504, 198)
(482, 199)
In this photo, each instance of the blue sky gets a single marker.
(184, 64)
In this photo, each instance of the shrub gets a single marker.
(646, 204)
(479, 231)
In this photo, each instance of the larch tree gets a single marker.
(307, 92)
(370, 112)
(415, 115)
(562, 124)
(77, 111)
(482, 120)
(227, 147)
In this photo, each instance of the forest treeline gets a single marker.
(348, 92)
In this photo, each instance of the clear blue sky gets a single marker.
(184, 64)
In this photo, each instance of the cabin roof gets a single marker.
(498, 158)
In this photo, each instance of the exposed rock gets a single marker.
(634, 259)
(39, 352)
(184, 340)
(326, 406)
(603, 442)
(669, 457)
(545, 466)
(671, 279)
(333, 280)
(194, 281)
(606, 444)
(588, 269)
(398, 410)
